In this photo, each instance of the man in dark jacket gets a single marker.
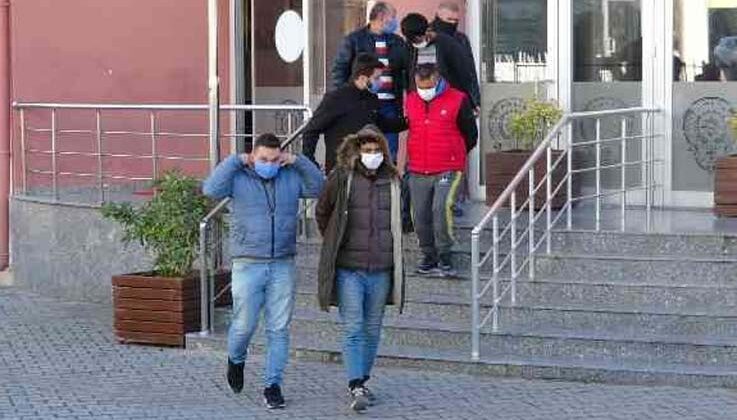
(378, 38)
(348, 109)
(446, 21)
(265, 187)
(444, 51)
(361, 259)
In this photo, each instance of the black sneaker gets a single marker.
(235, 376)
(446, 266)
(370, 395)
(273, 397)
(359, 399)
(428, 265)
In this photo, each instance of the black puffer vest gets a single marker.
(367, 243)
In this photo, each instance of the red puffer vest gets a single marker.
(435, 143)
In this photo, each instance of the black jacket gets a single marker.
(363, 41)
(343, 112)
(456, 65)
(459, 36)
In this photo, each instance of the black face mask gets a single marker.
(445, 27)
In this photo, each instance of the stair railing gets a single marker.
(522, 225)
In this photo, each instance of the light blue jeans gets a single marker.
(268, 284)
(361, 299)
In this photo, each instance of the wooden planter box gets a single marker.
(159, 310)
(725, 186)
(502, 167)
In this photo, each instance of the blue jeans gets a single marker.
(361, 299)
(390, 109)
(268, 284)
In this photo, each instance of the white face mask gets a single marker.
(372, 161)
(427, 95)
(421, 45)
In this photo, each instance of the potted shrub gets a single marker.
(725, 179)
(161, 306)
(528, 128)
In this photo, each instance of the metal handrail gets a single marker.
(159, 107)
(554, 133)
(207, 285)
(153, 133)
(544, 150)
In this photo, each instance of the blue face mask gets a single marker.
(266, 170)
(375, 86)
(391, 26)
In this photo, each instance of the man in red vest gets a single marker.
(442, 130)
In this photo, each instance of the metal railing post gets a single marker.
(204, 280)
(598, 174)
(513, 248)
(23, 157)
(549, 200)
(475, 295)
(213, 82)
(54, 180)
(648, 172)
(100, 168)
(495, 275)
(569, 178)
(154, 157)
(624, 175)
(531, 226)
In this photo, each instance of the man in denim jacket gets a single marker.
(265, 187)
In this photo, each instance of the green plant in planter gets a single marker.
(168, 224)
(530, 126)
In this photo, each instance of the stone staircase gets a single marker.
(629, 308)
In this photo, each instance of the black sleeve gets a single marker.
(462, 67)
(341, 70)
(475, 88)
(321, 119)
(467, 124)
(390, 124)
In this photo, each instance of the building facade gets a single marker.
(587, 55)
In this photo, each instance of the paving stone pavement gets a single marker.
(59, 360)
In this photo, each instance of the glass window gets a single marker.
(514, 48)
(704, 89)
(514, 40)
(607, 40)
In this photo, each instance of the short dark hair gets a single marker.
(414, 25)
(364, 65)
(268, 140)
(426, 71)
(379, 9)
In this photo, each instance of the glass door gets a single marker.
(703, 94)
(515, 66)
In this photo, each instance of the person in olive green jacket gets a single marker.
(361, 268)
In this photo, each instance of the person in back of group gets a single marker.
(265, 187)
(444, 51)
(446, 21)
(348, 109)
(360, 266)
(442, 130)
(378, 38)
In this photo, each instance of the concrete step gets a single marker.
(531, 342)
(307, 347)
(719, 299)
(614, 318)
(614, 269)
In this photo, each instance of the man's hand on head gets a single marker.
(287, 159)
